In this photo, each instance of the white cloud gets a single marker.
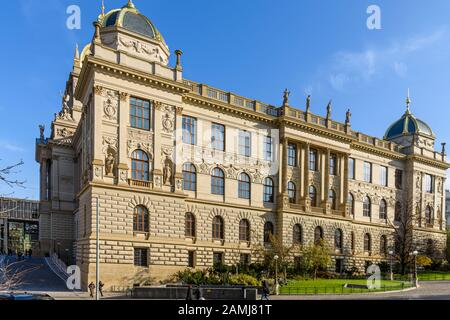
(5, 145)
(352, 67)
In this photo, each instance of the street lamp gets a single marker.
(391, 253)
(277, 286)
(415, 279)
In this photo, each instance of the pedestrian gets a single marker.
(199, 294)
(100, 288)
(265, 290)
(30, 253)
(91, 289)
(189, 293)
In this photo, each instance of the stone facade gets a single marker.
(89, 157)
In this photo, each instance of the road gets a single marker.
(40, 277)
(43, 280)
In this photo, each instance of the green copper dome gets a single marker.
(129, 18)
(406, 125)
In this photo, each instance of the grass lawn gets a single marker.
(434, 275)
(330, 286)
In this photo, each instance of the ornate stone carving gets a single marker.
(111, 105)
(123, 96)
(110, 162)
(64, 133)
(98, 90)
(143, 49)
(65, 113)
(168, 172)
(168, 119)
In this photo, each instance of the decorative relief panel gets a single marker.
(206, 159)
(168, 118)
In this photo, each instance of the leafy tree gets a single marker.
(315, 257)
(424, 261)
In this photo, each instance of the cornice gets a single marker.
(377, 151)
(93, 63)
(431, 162)
(225, 107)
(310, 127)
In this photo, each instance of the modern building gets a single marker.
(187, 175)
(19, 225)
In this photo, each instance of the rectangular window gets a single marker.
(141, 257)
(313, 160)
(191, 259)
(351, 168)
(245, 143)
(218, 137)
(367, 172)
(268, 148)
(217, 258)
(189, 130)
(384, 176)
(333, 165)
(292, 155)
(139, 113)
(245, 259)
(428, 183)
(398, 179)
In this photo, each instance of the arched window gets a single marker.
(291, 192)
(244, 230)
(383, 245)
(367, 207)
(268, 190)
(313, 196)
(367, 243)
(141, 219)
(217, 182)
(218, 228)
(332, 199)
(398, 211)
(190, 225)
(140, 168)
(297, 234)
(338, 240)
(428, 215)
(383, 209)
(244, 186)
(268, 231)
(351, 204)
(189, 177)
(318, 235)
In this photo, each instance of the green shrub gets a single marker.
(325, 275)
(243, 279)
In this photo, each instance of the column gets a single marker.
(178, 158)
(326, 182)
(344, 183)
(284, 166)
(302, 164)
(122, 167)
(157, 169)
(307, 201)
(98, 158)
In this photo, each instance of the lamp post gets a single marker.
(391, 253)
(415, 279)
(277, 286)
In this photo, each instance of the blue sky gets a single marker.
(256, 48)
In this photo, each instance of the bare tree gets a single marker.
(8, 171)
(403, 226)
(12, 275)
